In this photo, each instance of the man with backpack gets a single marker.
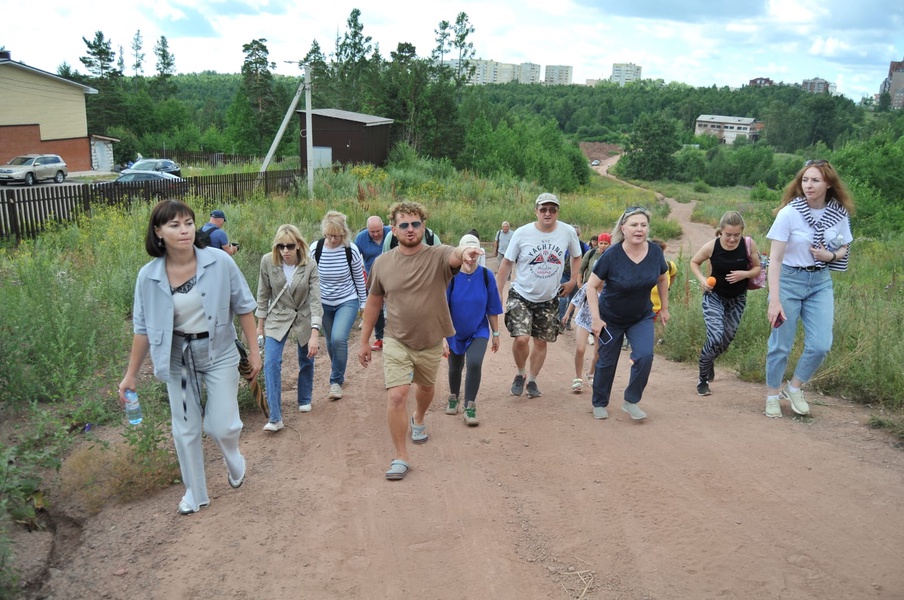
(213, 235)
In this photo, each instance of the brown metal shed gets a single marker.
(352, 137)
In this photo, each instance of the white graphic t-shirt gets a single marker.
(540, 259)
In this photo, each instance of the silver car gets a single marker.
(31, 168)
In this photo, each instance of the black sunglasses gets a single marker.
(288, 247)
(413, 225)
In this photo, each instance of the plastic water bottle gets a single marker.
(133, 408)
(260, 342)
(835, 244)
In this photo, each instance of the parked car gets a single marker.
(31, 168)
(595, 163)
(146, 183)
(160, 165)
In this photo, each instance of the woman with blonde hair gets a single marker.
(288, 304)
(810, 236)
(342, 291)
(622, 279)
(724, 301)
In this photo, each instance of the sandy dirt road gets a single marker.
(707, 498)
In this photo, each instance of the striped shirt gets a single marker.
(336, 282)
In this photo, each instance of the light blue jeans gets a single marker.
(337, 326)
(807, 296)
(273, 359)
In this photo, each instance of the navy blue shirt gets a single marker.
(370, 249)
(626, 296)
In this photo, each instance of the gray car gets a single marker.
(31, 168)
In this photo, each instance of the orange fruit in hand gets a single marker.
(711, 281)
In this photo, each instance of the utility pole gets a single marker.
(282, 129)
(309, 129)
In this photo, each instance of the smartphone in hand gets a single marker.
(779, 319)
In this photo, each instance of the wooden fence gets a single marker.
(25, 211)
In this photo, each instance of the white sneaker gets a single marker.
(634, 411)
(335, 391)
(773, 407)
(798, 404)
(304, 408)
(273, 426)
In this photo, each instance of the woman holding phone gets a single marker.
(810, 236)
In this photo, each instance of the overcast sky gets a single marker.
(699, 42)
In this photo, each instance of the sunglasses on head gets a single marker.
(414, 225)
(289, 247)
(816, 163)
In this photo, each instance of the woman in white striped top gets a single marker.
(342, 291)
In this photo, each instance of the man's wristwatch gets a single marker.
(495, 334)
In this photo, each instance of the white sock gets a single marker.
(772, 397)
(791, 388)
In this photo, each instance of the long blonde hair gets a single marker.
(289, 234)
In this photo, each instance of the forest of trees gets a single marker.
(524, 130)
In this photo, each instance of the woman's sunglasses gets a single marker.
(288, 247)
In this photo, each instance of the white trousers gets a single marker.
(220, 419)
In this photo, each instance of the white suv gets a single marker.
(30, 168)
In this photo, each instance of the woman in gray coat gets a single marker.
(288, 304)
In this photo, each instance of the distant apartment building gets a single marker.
(622, 73)
(760, 82)
(727, 129)
(491, 71)
(818, 86)
(558, 75)
(894, 84)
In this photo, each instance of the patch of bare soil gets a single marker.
(707, 498)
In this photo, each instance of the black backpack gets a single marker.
(429, 238)
(202, 237)
(318, 252)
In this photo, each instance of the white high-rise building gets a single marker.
(490, 71)
(558, 75)
(622, 73)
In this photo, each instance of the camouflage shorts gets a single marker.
(537, 319)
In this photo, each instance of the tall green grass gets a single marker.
(66, 297)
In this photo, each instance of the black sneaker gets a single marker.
(518, 385)
(532, 390)
(703, 389)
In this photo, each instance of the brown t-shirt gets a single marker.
(414, 291)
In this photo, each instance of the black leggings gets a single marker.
(473, 356)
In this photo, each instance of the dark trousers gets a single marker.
(640, 336)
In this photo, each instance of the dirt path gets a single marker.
(706, 499)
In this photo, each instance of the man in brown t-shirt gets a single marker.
(411, 280)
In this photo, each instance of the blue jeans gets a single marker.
(337, 325)
(380, 325)
(640, 336)
(273, 357)
(807, 296)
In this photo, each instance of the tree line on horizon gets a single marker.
(524, 130)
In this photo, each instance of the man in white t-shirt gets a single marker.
(537, 250)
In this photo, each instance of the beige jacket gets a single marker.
(299, 306)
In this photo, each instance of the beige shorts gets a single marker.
(403, 365)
